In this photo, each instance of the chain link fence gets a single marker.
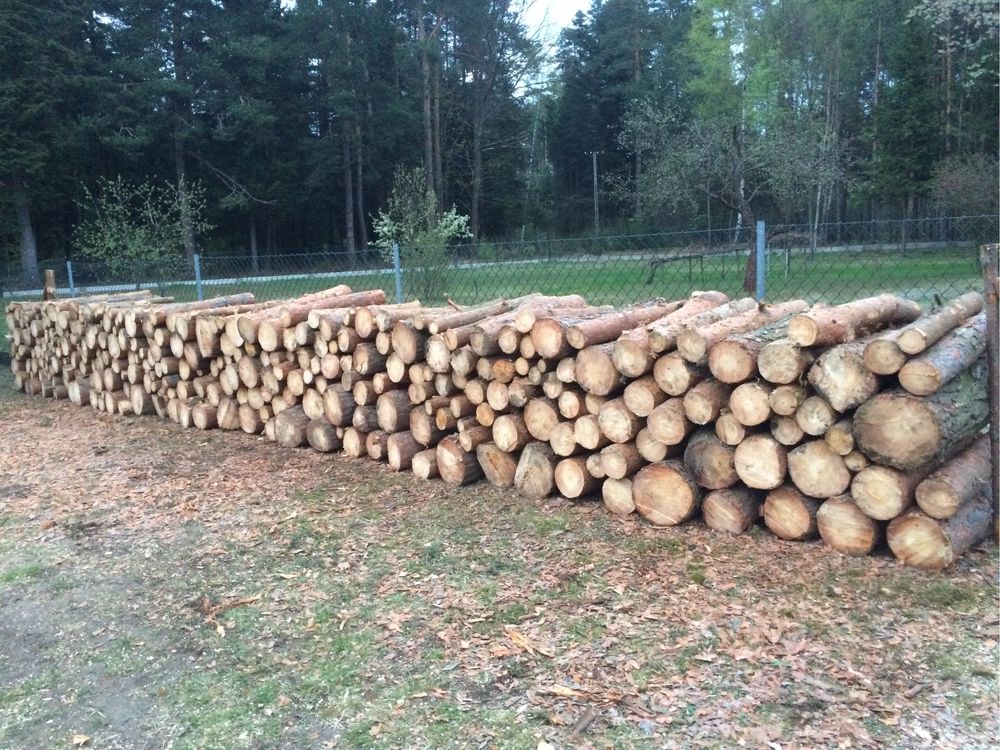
(926, 260)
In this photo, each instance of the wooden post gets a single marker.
(989, 262)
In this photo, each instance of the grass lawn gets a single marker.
(166, 588)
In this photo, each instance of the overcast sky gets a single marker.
(550, 16)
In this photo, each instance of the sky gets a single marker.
(549, 17)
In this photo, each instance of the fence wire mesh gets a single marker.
(926, 260)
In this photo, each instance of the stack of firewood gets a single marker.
(855, 423)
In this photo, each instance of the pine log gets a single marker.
(882, 354)
(407, 342)
(786, 399)
(365, 418)
(526, 315)
(855, 461)
(457, 318)
(250, 421)
(883, 492)
(665, 494)
(393, 410)
(825, 325)
(749, 403)
(709, 461)
(621, 460)
(292, 313)
(425, 464)
(510, 433)
(595, 371)
(290, 427)
(455, 465)
(535, 473)
(791, 515)
(540, 416)
(668, 423)
(733, 509)
(845, 528)
(786, 430)
(497, 464)
(572, 478)
(651, 449)
(946, 359)
(705, 401)
(322, 436)
(377, 444)
(354, 443)
(471, 438)
(841, 377)
(608, 327)
(617, 422)
(924, 332)
(906, 432)
(761, 462)
(643, 395)
(695, 343)
(338, 405)
(815, 416)
(227, 414)
(817, 471)
(425, 430)
(663, 333)
(729, 429)
(571, 404)
(401, 447)
(925, 542)
(617, 496)
(734, 358)
(312, 404)
(962, 480)
(783, 361)
(594, 466)
(203, 416)
(563, 439)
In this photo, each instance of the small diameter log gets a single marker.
(695, 343)
(572, 478)
(228, 414)
(595, 371)
(761, 462)
(733, 509)
(563, 439)
(376, 444)
(817, 471)
(665, 494)
(571, 404)
(945, 360)
(621, 460)
(906, 432)
(540, 416)
(510, 433)
(845, 528)
(785, 399)
(526, 314)
(594, 466)
(642, 396)
(704, 402)
(815, 416)
(785, 430)
(925, 542)
(457, 466)
(841, 377)
(322, 436)
(548, 334)
(608, 327)
(734, 358)
(617, 422)
(407, 342)
(790, 515)
(749, 403)
(535, 472)
(498, 465)
(617, 496)
(425, 464)
(365, 418)
(651, 449)
(965, 478)
(290, 427)
(250, 421)
(663, 333)
(400, 450)
(883, 492)
(883, 355)
(729, 429)
(924, 332)
(783, 361)
(472, 437)
(709, 461)
(855, 461)
(668, 423)
(588, 433)
(675, 375)
(824, 325)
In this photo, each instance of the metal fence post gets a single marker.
(761, 261)
(197, 276)
(397, 271)
(69, 277)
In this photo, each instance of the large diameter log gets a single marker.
(906, 432)
(825, 325)
(709, 461)
(818, 471)
(497, 464)
(790, 515)
(393, 409)
(535, 473)
(845, 528)
(663, 334)
(841, 377)
(965, 478)
(946, 359)
(455, 465)
(595, 371)
(617, 422)
(694, 343)
(617, 496)
(783, 361)
(733, 509)
(761, 462)
(322, 436)
(354, 443)
(609, 326)
(572, 478)
(665, 494)
(925, 542)
(400, 450)
(924, 332)
(734, 358)
(621, 460)
(883, 492)
(290, 427)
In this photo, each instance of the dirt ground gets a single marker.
(168, 588)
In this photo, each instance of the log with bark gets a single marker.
(694, 343)
(709, 461)
(965, 478)
(924, 332)
(498, 465)
(572, 478)
(818, 471)
(841, 377)
(946, 359)
(617, 496)
(761, 462)
(783, 361)
(665, 494)
(845, 528)
(534, 475)
(734, 358)
(883, 492)
(733, 509)
(925, 542)
(663, 334)
(789, 514)
(825, 325)
(456, 465)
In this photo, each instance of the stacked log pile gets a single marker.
(857, 423)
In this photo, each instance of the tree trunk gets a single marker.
(845, 528)
(733, 510)
(925, 542)
(477, 173)
(791, 515)
(824, 325)
(359, 189)
(906, 432)
(28, 243)
(254, 255)
(946, 359)
(962, 480)
(348, 168)
(925, 331)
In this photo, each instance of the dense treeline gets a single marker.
(292, 117)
